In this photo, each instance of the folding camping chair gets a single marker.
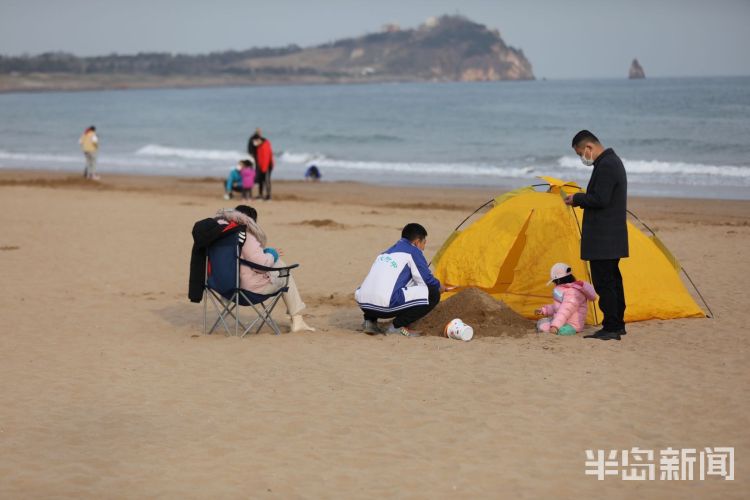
(222, 288)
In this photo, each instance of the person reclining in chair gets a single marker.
(255, 251)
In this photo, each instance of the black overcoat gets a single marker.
(604, 228)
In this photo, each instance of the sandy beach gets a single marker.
(108, 389)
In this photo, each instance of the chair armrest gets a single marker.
(266, 268)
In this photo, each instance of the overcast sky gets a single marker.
(561, 38)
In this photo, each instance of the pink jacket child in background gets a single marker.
(567, 314)
(248, 178)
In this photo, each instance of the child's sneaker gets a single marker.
(566, 330)
(406, 332)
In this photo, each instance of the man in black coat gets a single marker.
(604, 239)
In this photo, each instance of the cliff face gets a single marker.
(636, 71)
(449, 48)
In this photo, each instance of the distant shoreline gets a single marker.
(30, 85)
(66, 82)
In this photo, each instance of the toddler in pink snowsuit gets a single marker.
(567, 314)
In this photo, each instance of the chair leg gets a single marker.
(221, 314)
(237, 316)
(264, 317)
(271, 322)
(228, 308)
(251, 325)
(234, 310)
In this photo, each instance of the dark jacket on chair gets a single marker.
(205, 232)
(605, 232)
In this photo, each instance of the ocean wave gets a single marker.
(103, 160)
(666, 168)
(444, 168)
(190, 154)
(40, 157)
(422, 168)
(160, 158)
(298, 158)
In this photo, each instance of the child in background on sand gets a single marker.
(312, 174)
(248, 178)
(234, 181)
(567, 314)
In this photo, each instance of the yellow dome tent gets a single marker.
(509, 251)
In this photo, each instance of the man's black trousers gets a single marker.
(406, 317)
(608, 284)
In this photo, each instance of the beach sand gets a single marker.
(108, 389)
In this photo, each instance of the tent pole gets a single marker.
(467, 218)
(472, 213)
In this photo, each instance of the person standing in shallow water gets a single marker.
(604, 238)
(90, 146)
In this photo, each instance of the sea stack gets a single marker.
(636, 71)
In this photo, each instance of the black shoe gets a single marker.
(621, 331)
(604, 335)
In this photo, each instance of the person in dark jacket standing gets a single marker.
(264, 167)
(259, 148)
(251, 149)
(604, 239)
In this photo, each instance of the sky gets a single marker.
(561, 38)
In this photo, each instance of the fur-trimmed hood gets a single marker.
(232, 215)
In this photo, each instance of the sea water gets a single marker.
(677, 137)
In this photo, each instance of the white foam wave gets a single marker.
(666, 168)
(439, 168)
(39, 157)
(190, 154)
(289, 157)
(158, 157)
(104, 159)
(422, 168)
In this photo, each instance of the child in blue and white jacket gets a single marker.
(399, 285)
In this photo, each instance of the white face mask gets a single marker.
(586, 161)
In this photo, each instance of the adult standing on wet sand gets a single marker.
(264, 166)
(90, 146)
(251, 149)
(604, 238)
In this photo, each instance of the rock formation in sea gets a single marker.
(636, 71)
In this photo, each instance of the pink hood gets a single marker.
(584, 287)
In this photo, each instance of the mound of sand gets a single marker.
(327, 223)
(487, 316)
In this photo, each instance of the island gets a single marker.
(442, 49)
